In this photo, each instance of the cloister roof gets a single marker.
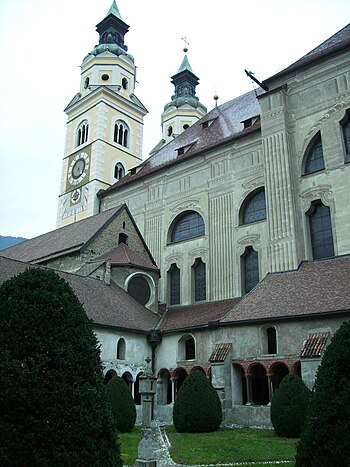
(106, 305)
(315, 288)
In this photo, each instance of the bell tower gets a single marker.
(105, 123)
(184, 109)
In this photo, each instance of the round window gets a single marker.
(105, 77)
(139, 289)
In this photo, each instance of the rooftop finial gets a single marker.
(216, 97)
(185, 49)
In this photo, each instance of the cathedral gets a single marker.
(228, 249)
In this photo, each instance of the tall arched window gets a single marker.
(119, 171)
(321, 234)
(82, 132)
(121, 349)
(250, 266)
(188, 225)
(199, 280)
(186, 348)
(254, 207)
(174, 284)
(346, 135)
(121, 134)
(314, 161)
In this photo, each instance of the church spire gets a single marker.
(185, 82)
(184, 109)
(114, 11)
(112, 30)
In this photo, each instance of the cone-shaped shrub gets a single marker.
(289, 405)
(325, 438)
(123, 405)
(54, 409)
(197, 407)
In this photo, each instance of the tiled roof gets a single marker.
(220, 352)
(201, 315)
(123, 255)
(338, 42)
(316, 288)
(105, 305)
(66, 239)
(227, 124)
(314, 344)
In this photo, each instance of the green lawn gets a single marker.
(223, 446)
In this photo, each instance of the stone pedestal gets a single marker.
(146, 449)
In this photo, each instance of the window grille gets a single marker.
(251, 269)
(174, 275)
(189, 225)
(199, 281)
(321, 231)
(254, 208)
(314, 159)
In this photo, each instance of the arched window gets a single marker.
(321, 235)
(174, 284)
(119, 171)
(254, 207)
(139, 289)
(271, 340)
(250, 269)
(346, 135)
(186, 348)
(121, 134)
(127, 377)
(314, 156)
(188, 225)
(121, 349)
(199, 280)
(82, 132)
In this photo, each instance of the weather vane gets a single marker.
(185, 49)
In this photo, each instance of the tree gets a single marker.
(325, 437)
(123, 405)
(197, 407)
(54, 408)
(289, 406)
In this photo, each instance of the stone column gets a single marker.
(147, 445)
(248, 379)
(174, 381)
(269, 385)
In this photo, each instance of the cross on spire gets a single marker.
(185, 49)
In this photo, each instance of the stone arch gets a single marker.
(278, 372)
(179, 376)
(128, 379)
(259, 384)
(164, 387)
(109, 375)
(239, 385)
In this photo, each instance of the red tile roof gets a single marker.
(314, 344)
(192, 316)
(123, 255)
(106, 305)
(220, 352)
(62, 241)
(227, 124)
(316, 288)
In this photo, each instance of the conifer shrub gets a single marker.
(289, 405)
(325, 438)
(197, 407)
(123, 405)
(54, 409)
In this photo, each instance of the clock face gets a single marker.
(78, 168)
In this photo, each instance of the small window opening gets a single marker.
(123, 238)
(271, 340)
(170, 130)
(190, 349)
(125, 83)
(86, 83)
